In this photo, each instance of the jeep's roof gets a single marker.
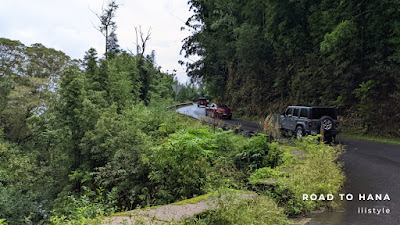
(300, 106)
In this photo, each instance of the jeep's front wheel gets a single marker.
(283, 132)
(299, 132)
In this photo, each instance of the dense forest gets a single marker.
(72, 131)
(61, 121)
(261, 55)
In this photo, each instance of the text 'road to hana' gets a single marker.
(347, 197)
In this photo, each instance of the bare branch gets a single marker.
(143, 38)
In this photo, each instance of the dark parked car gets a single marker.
(219, 111)
(202, 101)
(303, 120)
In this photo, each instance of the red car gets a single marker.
(219, 111)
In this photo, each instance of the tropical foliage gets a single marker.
(264, 55)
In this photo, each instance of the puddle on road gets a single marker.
(334, 217)
(327, 218)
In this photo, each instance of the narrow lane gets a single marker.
(370, 168)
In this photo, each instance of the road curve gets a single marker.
(370, 168)
(200, 113)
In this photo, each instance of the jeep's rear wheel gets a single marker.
(299, 132)
(327, 123)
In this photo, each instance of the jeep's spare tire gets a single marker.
(327, 123)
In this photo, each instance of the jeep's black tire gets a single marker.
(333, 137)
(283, 132)
(327, 123)
(299, 132)
(329, 139)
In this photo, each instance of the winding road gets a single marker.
(370, 168)
(200, 113)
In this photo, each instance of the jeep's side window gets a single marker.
(288, 112)
(296, 112)
(304, 113)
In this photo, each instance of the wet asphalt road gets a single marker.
(370, 168)
(200, 113)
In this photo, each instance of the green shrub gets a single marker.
(317, 174)
(234, 210)
(258, 153)
(266, 172)
(190, 162)
(24, 191)
(73, 209)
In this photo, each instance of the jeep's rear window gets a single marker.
(317, 113)
(222, 106)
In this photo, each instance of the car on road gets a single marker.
(310, 120)
(202, 101)
(219, 111)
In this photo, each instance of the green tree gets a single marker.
(27, 81)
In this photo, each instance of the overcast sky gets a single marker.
(67, 25)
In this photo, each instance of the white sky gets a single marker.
(67, 25)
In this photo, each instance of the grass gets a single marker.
(233, 210)
(192, 200)
(311, 169)
(378, 139)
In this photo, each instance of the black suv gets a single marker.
(303, 120)
(202, 101)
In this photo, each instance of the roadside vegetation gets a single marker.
(374, 138)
